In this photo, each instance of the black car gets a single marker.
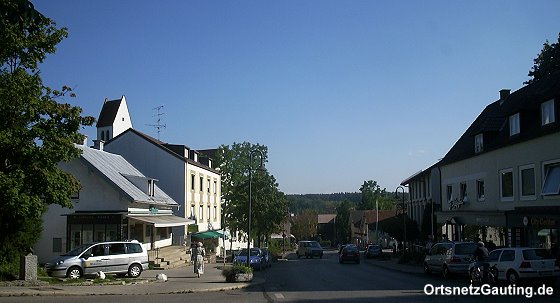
(349, 253)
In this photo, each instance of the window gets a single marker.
(192, 211)
(527, 181)
(506, 185)
(151, 187)
(547, 112)
(464, 192)
(480, 190)
(200, 213)
(201, 183)
(215, 213)
(514, 124)
(192, 181)
(208, 185)
(103, 135)
(209, 214)
(551, 183)
(507, 255)
(478, 143)
(215, 187)
(449, 192)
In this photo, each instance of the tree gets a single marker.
(394, 227)
(36, 131)
(372, 194)
(547, 62)
(342, 221)
(305, 225)
(268, 205)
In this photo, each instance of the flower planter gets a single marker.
(240, 277)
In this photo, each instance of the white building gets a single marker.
(115, 202)
(113, 119)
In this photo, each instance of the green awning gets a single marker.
(209, 234)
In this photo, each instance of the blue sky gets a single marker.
(339, 91)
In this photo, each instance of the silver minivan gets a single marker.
(450, 258)
(118, 257)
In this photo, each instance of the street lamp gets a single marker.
(404, 215)
(261, 167)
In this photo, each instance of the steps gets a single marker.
(169, 257)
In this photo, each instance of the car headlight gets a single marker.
(59, 262)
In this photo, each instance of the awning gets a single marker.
(163, 221)
(209, 234)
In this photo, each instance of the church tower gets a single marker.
(113, 119)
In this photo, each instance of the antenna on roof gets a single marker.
(158, 124)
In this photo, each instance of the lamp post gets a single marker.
(254, 151)
(403, 212)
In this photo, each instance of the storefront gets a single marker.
(533, 226)
(454, 223)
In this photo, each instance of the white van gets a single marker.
(120, 257)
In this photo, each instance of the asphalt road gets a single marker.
(321, 280)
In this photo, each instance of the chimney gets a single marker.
(504, 94)
(98, 144)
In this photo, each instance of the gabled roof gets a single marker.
(325, 218)
(118, 172)
(108, 113)
(162, 146)
(493, 120)
(369, 216)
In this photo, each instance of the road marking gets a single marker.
(279, 296)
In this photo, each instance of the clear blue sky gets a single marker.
(339, 91)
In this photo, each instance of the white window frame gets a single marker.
(501, 173)
(514, 125)
(527, 197)
(544, 176)
(200, 212)
(480, 197)
(479, 143)
(547, 112)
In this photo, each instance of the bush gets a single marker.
(231, 271)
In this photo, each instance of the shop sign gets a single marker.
(539, 221)
(153, 210)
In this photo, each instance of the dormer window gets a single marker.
(547, 112)
(514, 124)
(151, 187)
(478, 143)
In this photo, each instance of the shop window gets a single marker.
(506, 185)
(551, 184)
(527, 182)
(57, 245)
(480, 190)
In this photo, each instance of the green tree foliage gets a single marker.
(547, 62)
(372, 194)
(36, 131)
(268, 204)
(342, 221)
(394, 227)
(321, 203)
(305, 225)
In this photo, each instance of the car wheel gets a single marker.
(74, 272)
(427, 269)
(512, 277)
(445, 272)
(134, 270)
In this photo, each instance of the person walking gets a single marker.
(199, 261)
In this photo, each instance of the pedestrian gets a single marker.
(199, 262)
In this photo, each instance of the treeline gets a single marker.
(321, 203)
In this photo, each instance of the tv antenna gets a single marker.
(158, 116)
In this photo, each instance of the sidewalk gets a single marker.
(180, 280)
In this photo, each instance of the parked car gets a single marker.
(450, 258)
(373, 251)
(255, 259)
(119, 257)
(515, 263)
(349, 253)
(267, 258)
(309, 249)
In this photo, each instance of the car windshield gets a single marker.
(78, 250)
(350, 248)
(254, 252)
(537, 254)
(314, 244)
(465, 248)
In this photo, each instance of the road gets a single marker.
(317, 280)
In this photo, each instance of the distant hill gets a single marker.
(321, 203)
